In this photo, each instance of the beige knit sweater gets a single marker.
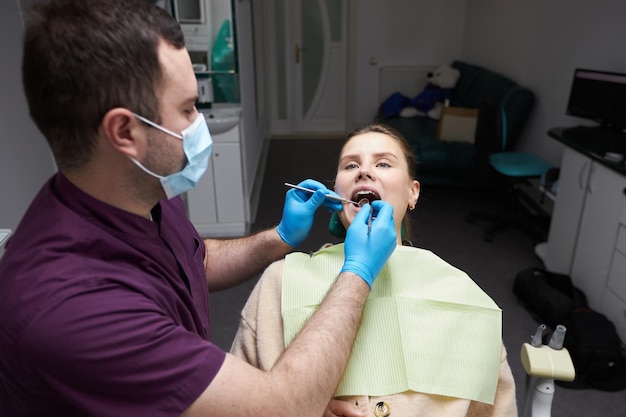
(259, 341)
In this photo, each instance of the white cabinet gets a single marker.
(567, 211)
(598, 232)
(587, 238)
(217, 205)
(614, 301)
(192, 16)
(196, 37)
(201, 21)
(190, 11)
(201, 200)
(228, 184)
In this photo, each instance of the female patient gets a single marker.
(430, 340)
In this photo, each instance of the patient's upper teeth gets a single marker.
(365, 195)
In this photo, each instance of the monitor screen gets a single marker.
(599, 96)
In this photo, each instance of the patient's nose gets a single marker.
(365, 173)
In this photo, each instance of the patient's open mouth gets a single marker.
(361, 197)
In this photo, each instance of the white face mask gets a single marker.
(197, 145)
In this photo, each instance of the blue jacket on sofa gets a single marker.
(454, 163)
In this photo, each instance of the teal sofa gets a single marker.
(443, 163)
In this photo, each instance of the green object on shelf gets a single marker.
(225, 84)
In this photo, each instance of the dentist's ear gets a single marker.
(124, 132)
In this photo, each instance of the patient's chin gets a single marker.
(346, 218)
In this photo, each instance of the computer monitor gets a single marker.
(599, 96)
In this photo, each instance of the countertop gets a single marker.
(594, 148)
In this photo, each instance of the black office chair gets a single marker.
(510, 170)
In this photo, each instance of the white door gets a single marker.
(307, 41)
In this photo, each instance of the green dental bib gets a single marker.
(430, 329)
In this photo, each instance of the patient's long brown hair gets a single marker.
(409, 156)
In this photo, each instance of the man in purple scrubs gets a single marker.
(104, 285)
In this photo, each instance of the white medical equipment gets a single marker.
(545, 363)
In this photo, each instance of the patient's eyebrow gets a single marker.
(377, 155)
(389, 155)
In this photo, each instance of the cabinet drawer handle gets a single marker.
(581, 174)
(624, 191)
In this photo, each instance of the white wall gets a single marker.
(534, 42)
(538, 43)
(254, 118)
(25, 161)
(401, 32)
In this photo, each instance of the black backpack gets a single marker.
(547, 296)
(597, 352)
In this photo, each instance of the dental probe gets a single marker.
(332, 197)
(363, 202)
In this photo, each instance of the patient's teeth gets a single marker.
(370, 196)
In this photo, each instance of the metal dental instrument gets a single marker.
(330, 196)
(363, 202)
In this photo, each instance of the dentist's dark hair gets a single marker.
(83, 58)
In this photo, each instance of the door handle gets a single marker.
(299, 50)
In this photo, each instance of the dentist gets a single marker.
(104, 286)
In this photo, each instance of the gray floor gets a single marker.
(438, 225)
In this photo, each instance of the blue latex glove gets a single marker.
(366, 255)
(299, 211)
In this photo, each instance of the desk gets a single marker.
(594, 150)
(587, 238)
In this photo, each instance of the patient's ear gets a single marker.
(124, 132)
(414, 193)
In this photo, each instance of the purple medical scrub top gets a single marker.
(103, 312)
